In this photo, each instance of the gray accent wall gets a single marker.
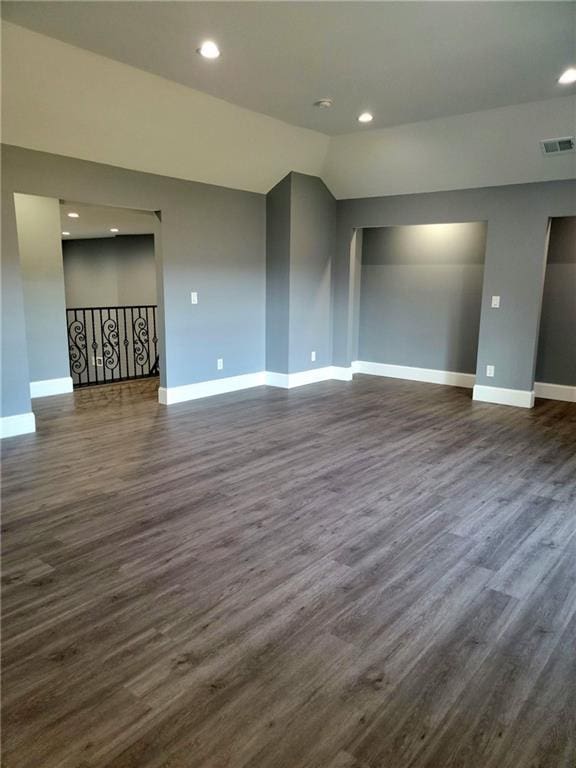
(517, 219)
(312, 238)
(38, 226)
(212, 241)
(421, 293)
(556, 362)
(110, 271)
(14, 368)
(301, 222)
(278, 220)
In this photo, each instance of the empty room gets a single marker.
(288, 394)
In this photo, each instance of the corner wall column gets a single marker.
(16, 415)
(514, 270)
(301, 225)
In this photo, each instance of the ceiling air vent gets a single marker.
(555, 146)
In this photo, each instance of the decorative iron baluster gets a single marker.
(154, 369)
(126, 342)
(77, 346)
(110, 348)
(141, 348)
(94, 347)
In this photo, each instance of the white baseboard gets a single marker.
(555, 392)
(299, 379)
(500, 396)
(171, 395)
(20, 424)
(51, 387)
(277, 379)
(428, 375)
(340, 373)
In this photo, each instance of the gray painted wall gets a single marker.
(110, 271)
(517, 218)
(38, 226)
(556, 362)
(301, 220)
(421, 293)
(278, 220)
(313, 229)
(212, 241)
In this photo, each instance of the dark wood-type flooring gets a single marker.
(379, 574)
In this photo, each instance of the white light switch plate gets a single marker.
(220, 363)
(490, 371)
(313, 356)
(193, 297)
(495, 302)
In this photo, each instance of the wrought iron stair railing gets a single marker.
(108, 344)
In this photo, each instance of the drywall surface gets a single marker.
(15, 392)
(211, 240)
(482, 149)
(278, 276)
(301, 219)
(110, 271)
(38, 225)
(312, 238)
(133, 119)
(421, 294)
(517, 219)
(556, 362)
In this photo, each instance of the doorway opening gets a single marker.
(90, 279)
(110, 289)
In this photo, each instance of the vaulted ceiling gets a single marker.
(403, 61)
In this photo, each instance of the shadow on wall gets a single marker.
(556, 361)
(421, 295)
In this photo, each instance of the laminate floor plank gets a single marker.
(374, 574)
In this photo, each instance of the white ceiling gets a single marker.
(404, 61)
(96, 221)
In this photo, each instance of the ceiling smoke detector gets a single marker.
(324, 103)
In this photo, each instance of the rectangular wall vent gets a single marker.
(556, 146)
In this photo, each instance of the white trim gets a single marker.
(277, 379)
(555, 391)
(20, 424)
(342, 374)
(312, 376)
(51, 387)
(171, 395)
(429, 375)
(521, 398)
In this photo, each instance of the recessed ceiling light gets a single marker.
(325, 103)
(209, 50)
(114, 229)
(65, 233)
(365, 117)
(73, 215)
(568, 77)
